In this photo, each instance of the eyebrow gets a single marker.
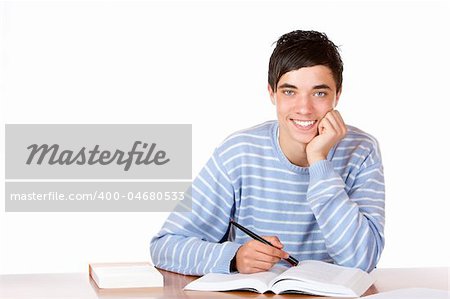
(287, 85)
(320, 86)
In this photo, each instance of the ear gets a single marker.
(338, 95)
(271, 94)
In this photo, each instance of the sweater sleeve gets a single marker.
(351, 218)
(191, 242)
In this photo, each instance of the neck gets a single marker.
(294, 152)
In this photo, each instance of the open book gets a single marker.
(309, 277)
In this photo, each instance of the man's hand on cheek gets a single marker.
(331, 130)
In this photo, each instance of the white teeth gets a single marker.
(304, 123)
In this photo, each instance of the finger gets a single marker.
(261, 266)
(321, 126)
(269, 250)
(274, 241)
(323, 117)
(326, 126)
(332, 118)
(251, 269)
(247, 257)
(260, 256)
(338, 123)
(341, 121)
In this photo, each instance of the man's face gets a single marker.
(303, 97)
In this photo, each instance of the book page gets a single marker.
(321, 272)
(318, 277)
(226, 282)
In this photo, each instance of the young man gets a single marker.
(312, 185)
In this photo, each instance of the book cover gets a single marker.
(125, 275)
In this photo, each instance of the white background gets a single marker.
(205, 63)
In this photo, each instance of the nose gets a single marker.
(303, 104)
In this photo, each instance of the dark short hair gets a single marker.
(299, 49)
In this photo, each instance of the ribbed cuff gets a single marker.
(320, 170)
(223, 264)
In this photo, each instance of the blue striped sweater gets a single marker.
(331, 211)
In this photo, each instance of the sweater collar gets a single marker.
(280, 155)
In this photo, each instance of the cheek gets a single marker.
(283, 110)
(325, 106)
(284, 106)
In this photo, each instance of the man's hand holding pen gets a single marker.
(255, 256)
(261, 253)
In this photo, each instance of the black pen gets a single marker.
(293, 261)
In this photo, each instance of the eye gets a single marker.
(288, 92)
(320, 94)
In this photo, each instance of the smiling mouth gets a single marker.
(304, 124)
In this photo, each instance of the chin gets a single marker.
(304, 138)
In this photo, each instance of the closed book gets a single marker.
(125, 275)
